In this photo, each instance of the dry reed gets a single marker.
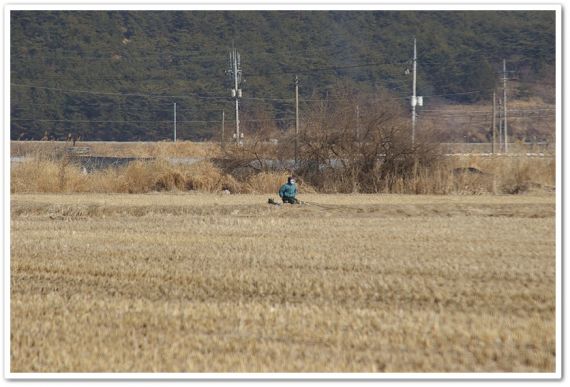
(137, 177)
(266, 182)
(44, 172)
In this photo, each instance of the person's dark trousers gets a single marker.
(287, 199)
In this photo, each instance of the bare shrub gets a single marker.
(377, 155)
(243, 162)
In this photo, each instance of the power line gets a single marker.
(481, 115)
(484, 116)
(399, 98)
(332, 68)
(117, 94)
(460, 93)
(127, 57)
(189, 95)
(108, 121)
(269, 99)
(146, 121)
(248, 98)
(148, 109)
(122, 78)
(122, 108)
(484, 111)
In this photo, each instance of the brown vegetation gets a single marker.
(339, 151)
(177, 282)
(498, 175)
(368, 154)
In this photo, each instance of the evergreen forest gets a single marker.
(116, 75)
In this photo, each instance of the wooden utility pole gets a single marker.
(414, 96)
(223, 128)
(494, 123)
(357, 122)
(500, 125)
(505, 104)
(236, 95)
(174, 121)
(296, 119)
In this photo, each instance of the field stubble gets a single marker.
(210, 283)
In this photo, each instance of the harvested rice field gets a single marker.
(185, 282)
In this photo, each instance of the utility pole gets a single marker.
(223, 127)
(357, 122)
(494, 124)
(174, 121)
(414, 99)
(505, 104)
(236, 73)
(296, 119)
(237, 99)
(500, 125)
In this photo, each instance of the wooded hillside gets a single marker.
(116, 75)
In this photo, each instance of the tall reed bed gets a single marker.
(41, 175)
(477, 175)
(465, 175)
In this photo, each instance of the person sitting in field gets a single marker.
(288, 191)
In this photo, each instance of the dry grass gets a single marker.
(178, 282)
(137, 177)
(500, 175)
(510, 175)
(266, 182)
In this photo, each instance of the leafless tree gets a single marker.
(345, 153)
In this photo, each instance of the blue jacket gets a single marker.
(288, 190)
